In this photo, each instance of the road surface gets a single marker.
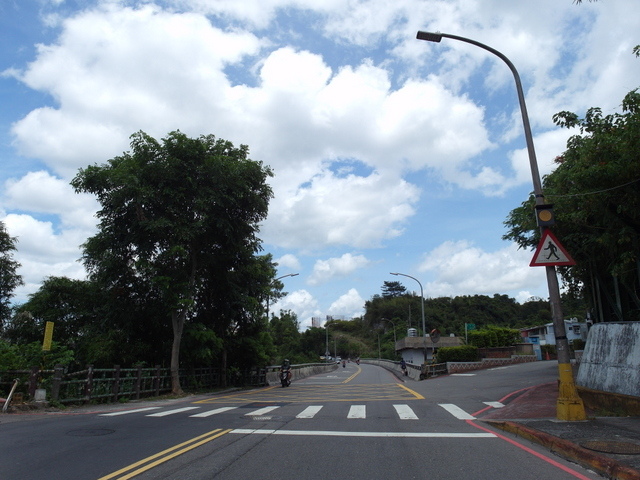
(358, 422)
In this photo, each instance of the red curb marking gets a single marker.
(566, 469)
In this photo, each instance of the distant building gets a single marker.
(545, 334)
(412, 348)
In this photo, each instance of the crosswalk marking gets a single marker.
(309, 412)
(494, 404)
(260, 411)
(265, 431)
(357, 411)
(137, 410)
(171, 412)
(457, 411)
(213, 412)
(405, 412)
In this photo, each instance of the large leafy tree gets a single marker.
(178, 217)
(596, 192)
(9, 278)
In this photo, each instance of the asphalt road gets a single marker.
(358, 422)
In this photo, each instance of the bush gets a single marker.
(550, 349)
(493, 336)
(578, 344)
(464, 353)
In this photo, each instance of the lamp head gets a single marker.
(429, 36)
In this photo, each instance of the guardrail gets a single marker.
(114, 384)
(415, 372)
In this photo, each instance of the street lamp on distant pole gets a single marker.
(394, 333)
(270, 285)
(569, 405)
(424, 327)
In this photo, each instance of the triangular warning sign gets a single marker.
(550, 252)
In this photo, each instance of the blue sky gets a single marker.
(390, 154)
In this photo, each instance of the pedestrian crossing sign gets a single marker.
(550, 252)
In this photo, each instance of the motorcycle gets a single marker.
(285, 378)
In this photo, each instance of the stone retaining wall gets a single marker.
(611, 359)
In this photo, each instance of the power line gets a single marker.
(595, 192)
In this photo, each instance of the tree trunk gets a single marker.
(177, 321)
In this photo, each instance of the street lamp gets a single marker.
(394, 332)
(271, 284)
(424, 328)
(569, 404)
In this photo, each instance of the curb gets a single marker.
(570, 451)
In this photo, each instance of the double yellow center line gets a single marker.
(164, 456)
(353, 376)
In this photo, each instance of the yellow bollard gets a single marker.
(569, 405)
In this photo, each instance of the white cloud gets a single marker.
(115, 70)
(41, 192)
(350, 305)
(352, 210)
(362, 124)
(460, 268)
(289, 261)
(325, 270)
(302, 303)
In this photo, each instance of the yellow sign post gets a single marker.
(48, 337)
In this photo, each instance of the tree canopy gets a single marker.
(595, 190)
(9, 278)
(178, 224)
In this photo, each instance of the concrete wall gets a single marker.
(458, 367)
(611, 359)
(299, 371)
(412, 370)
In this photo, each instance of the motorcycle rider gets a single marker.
(286, 367)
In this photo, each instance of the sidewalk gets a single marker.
(609, 446)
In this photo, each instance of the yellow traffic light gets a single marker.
(544, 215)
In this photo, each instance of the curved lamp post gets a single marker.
(569, 405)
(424, 328)
(395, 340)
(274, 281)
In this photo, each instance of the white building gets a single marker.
(545, 334)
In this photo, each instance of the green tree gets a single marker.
(9, 278)
(393, 289)
(596, 194)
(172, 212)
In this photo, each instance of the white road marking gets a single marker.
(462, 375)
(171, 412)
(494, 404)
(309, 412)
(405, 412)
(357, 411)
(212, 412)
(260, 411)
(456, 411)
(113, 414)
(249, 431)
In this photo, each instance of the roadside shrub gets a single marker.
(578, 344)
(550, 349)
(492, 336)
(463, 353)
